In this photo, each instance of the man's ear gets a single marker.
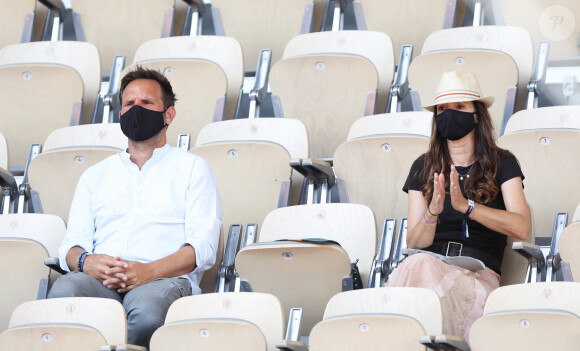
(170, 114)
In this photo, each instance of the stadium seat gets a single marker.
(119, 27)
(378, 319)
(54, 174)
(263, 24)
(514, 41)
(529, 317)
(327, 93)
(224, 51)
(496, 72)
(408, 22)
(548, 161)
(303, 273)
(252, 177)
(222, 321)
(374, 46)
(375, 160)
(23, 273)
(17, 18)
(557, 22)
(568, 247)
(78, 323)
(81, 56)
(35, 104)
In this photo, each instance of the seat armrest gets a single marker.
(531, 252)
(289, 345)
(123, 347)
(54, 264)
(445, 342)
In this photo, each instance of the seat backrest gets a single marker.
(263, 310)
(13, 17)
(418, 303)
(326, 92)
(569, 247)
(21, 268)
(33, 95)
(549, 161)
(224, 51)
(558, 117)
(405, 22)
(55, 174)
(249, 175)
(514, 267)
(411, 123)
(119, 27)
(554, 21)
(105, 315)
(514, 41)
(290, 133)
(261, 24)
(496, 71)
(351, 225)
(44, 337)
(374, 46)
(198, 84)
(4, 153)
(548, 296)
(82, 56)
(375, 169)
(98, 134)
(48, 230)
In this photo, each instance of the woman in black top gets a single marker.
(465, 197)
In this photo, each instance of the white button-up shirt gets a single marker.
(144, 215)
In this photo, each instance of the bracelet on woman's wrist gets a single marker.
(428, 221)
(429, 210)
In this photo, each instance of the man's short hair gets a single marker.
(139, 72)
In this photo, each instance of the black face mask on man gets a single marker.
(454, 125)
(139, 123)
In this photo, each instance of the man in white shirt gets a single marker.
(144, 224)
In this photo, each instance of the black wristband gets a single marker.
(81, 262)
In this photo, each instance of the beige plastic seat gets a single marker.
(137, 20)
(200, 87)
(514, 41)
(70, 320)
(376, 160)
(13, 17)
(406, 22)
(529, 317)
(87, 135)
(4, 153)
(552, 117)
(224, 51)
(33, 95)
(304, 274)
(21, 270)
(378, 319)
(541, 152)
(555, 21)
(568, 246)
(55, 174)
(251, 176)
(82, 56)
(261, 24)
(327, 93)
(222, 321)
(374, 46)
(496, 72)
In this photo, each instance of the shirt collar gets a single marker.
(158, 154)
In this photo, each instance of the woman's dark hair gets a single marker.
(139, 72)
(481, 186)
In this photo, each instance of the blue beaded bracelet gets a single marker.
(81, 263)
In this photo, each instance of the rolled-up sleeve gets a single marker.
(203, 215)
(80, 226)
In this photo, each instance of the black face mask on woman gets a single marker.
(139, 123)
(454, 125)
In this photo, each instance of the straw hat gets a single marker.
(459, 86)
